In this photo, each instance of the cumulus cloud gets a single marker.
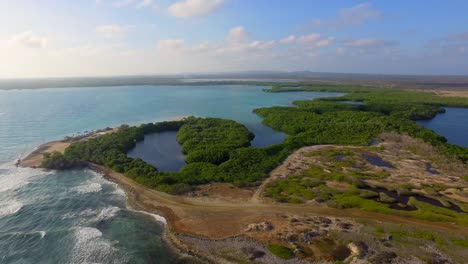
(355, 15)
(262, 44)
(324, 42)
(345, 18)
(311, 38)
(192, 8)
(459, 37)
(171, 44)
(144, 3)
(29, 40)
(365, 43)
(122, 3)
(237, 36)
(109, 31)
(288, 39)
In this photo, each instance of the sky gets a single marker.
(65, 38)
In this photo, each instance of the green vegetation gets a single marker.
(211, 139)
(57, 161)
(329, 121)
(460, 242)
(281, 251)
(217, 151)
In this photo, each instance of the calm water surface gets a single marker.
(77, 216)
(160, 150)
(453, 125)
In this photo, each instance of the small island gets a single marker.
(352, 181)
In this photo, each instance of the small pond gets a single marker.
(160, 150)
(352, 102)
(430, 169)
(376, 160)
(403, 199)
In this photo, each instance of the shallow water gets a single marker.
(453, 125)
(376, 160)
(77, 216)
(352, 102)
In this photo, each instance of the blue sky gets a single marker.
(55, 38)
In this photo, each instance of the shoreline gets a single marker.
(169, 237)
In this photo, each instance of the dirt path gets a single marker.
(220, 219)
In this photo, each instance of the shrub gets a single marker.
(281, 251)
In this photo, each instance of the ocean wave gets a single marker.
(88, 187)
(10, 208)
(119, 192)
(89, 216)
(42, 233)
(13, 178)
(156, 217)
(90, 247)
(84, 213)
(108, 213)
(104, 214)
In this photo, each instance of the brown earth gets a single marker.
(34, 159)
(452, 93)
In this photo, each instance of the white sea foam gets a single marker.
(13, 178)
(155, 216)
(108, 213)
(90, 247)
(84, 213)
(9, 208)
(120, 192)
(84, 234)
(104, 214)
(99, 178)
(42, 233)
(88, 187)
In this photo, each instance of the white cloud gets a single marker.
(171, 44)
(355, 16)
(365, 43)
(288, 40)
(144, 3)
(29, 40)
(324, 42)
(122, 3)
(262, 44)
(460, 37)
(109, 31)
(192, 8)
(311, 38)
(237, 35)
(345, 18)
